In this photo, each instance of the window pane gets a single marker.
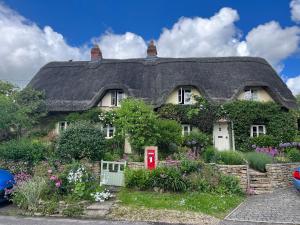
(254, 131)
(247, 95)
(111, 131)
(113, 98)
(187, 96)
(180, 95)
(254, 95)
(120, 96)
(261, 129)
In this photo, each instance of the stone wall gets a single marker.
(239, 171)
(281, 174)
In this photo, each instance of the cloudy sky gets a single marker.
(34, 32)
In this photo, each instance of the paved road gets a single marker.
(10, 220)
(280, 207)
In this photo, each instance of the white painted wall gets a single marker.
(263, 95)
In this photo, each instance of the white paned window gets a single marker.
(185, 96)
(257, 130)
(251, 94)
(62, 126)
(109, 131)
(186, 129)
(116, 97)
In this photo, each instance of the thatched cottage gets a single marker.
(80, 85)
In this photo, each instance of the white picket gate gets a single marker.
(112, 173)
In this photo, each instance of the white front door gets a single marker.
(221, 136)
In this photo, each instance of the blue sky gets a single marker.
(245, 29)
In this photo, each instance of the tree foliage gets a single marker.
(138, 121)
(19, 108)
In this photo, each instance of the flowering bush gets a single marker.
(266, 150)
(102, 196)
(290, 145)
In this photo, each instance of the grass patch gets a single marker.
(216, 205)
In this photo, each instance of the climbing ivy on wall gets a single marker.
(279, 123)
(201, 115)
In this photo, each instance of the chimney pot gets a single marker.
(151, 51)
(96, 53)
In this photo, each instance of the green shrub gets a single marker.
(210, 180)
(229, 158)
(27, 195)
(264, 141)
(189, 166)
(49, 207)
(258, 160)
(230, 184)
(31, 151)
(81, 140)
(137, 179)
(209, 154)
(73, 210)
(165, 178)
(293, 154)
(199, 138)
(169, 135)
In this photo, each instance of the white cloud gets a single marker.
(295, 10)
(25, 47)
(273, 42)
(124, 46)
(294, 84)
(192, 37)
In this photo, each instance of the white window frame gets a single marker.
(257, 133)
(185, 93)
(251, 94)
(61, 127)
(116, 97)
(106, 130)
(186, 132)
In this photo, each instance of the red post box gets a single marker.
(151, 157)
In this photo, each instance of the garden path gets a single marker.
(280, 207)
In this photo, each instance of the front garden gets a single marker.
(55, 174)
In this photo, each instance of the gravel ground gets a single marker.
(165, 216)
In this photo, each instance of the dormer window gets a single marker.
(185, 96)
(251, 94)
(116, 97)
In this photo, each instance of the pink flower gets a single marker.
(49, 171)
(53, 178)
(58, 183)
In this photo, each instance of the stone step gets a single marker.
(100, 206)
(259, 192)
(256, 185)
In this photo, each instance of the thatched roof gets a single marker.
(77, 86)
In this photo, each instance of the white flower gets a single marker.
(102, 196)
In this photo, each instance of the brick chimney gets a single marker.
(151, 51)
(96, 53)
